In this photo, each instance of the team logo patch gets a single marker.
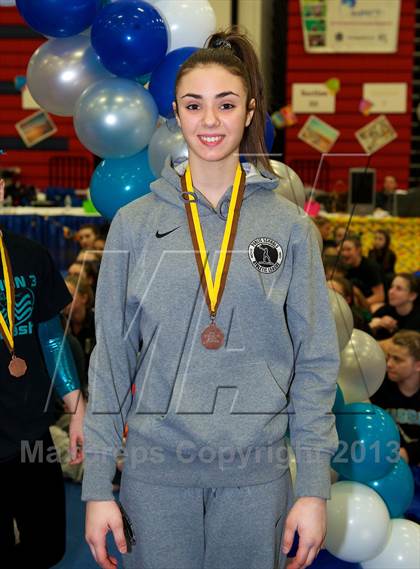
(265, 254)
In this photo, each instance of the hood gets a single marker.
(168, 187)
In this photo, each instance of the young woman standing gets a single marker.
(220, 281)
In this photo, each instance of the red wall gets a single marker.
(14, 57)
(353, 70)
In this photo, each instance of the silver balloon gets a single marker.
(115, 118)
(318, 236)
(290, 185)
(60, 70)
(167, 140)
(362, 367)
(343, 317)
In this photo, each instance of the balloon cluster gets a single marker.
(112, 65)
(376, 486)
(95, 66)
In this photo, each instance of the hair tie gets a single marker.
(222, 43)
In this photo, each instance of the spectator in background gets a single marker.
(399, 393)
(339, 234)
(402, 310)
(88, 270)
(383, 254)
(87, 235)
(324, 226)
(86, 255)
(80, 314)
(363, 272)
(385, 199)
(361, 315)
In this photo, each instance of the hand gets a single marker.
(76, 433)
(389, 323)
(404, 455)
(100, 518)
(309, 517)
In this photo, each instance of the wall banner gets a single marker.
(350, 26)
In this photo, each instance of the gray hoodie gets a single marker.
(209, 418)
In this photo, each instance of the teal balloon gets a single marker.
(369, 442)
(396, 488)
(339, 402)
(117, 182)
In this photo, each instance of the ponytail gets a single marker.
(233, 50)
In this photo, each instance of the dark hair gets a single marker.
(383, 256)
(82, 287)
(346, 286)
(92, 226)
(409, 339)
(413, 282)
(232, 50)
(355, 239)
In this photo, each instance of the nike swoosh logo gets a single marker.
(159, 235)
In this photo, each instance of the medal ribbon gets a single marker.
(213, 291)
(7, 331)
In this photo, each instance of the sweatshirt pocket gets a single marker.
(241, 407)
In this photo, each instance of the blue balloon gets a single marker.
(339, 402)
(369, 442)
(117, 182)
(269, 133)
(58, 18)
(396, 488)
(162, 82)
(130, 37)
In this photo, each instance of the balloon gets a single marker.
(269, 133)
(167, 140)
(130, 37)
(357, 522)
(396, 488)
(292, 463)
(402, 549)
(339, 401)
(362, 368)
(189, 22)
(60, 70)
(58, 19)
(162, 82)
(333, 84)
(115, 118)
(369, 442)
(343, 317)
(116, 182)
(290, 185)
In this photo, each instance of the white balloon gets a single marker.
(290, 185)
(292, 463)
(358, 522)
(343, 317)
(401, 551)
(362, 368)
(189, 22)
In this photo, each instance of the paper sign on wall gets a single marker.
(318, 134)
(350, 26)
(376, 134)
(386, 97)
(312, 97)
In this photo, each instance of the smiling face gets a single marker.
(212, 112)
(350, 253)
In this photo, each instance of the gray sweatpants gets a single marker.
(207, 528)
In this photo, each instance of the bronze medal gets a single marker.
(17, 367)
(212, 337)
